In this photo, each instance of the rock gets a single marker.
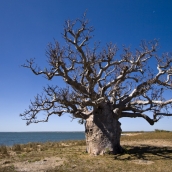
(73, 166)
(6, 162)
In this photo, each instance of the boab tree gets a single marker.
(101, 86)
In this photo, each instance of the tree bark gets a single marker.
(103, 131)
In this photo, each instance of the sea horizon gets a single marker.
(65, 131)
(24, 137)
(38, 131)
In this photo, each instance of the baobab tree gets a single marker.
(102, 87)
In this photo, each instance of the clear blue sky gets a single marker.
(27, 26)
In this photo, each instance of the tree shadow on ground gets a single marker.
(145, 153)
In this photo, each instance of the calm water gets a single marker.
(11, 138)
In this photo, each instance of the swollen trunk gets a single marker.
(103, 132)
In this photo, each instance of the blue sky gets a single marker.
(27, 26)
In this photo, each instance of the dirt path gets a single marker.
(41, 166)
(153, 142)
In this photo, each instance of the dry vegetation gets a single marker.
(142, 152)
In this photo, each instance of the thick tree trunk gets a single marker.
(103, 132)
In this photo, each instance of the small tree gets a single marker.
(102, 88)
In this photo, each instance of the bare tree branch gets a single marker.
(96, 75)
(147, 118)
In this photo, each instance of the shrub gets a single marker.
(3, 149)
(157, 130)
(16, 148)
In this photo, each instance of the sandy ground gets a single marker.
(150, 142)
(37, 166)
(153, 142)
(40, 166)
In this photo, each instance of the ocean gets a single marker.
(11, 138)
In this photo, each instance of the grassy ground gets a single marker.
(66, 156)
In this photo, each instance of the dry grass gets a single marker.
(148, 136)
(3, 149)
(71, 156)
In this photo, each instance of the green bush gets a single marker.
(157, 130)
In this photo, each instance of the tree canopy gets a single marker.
(133, 83)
